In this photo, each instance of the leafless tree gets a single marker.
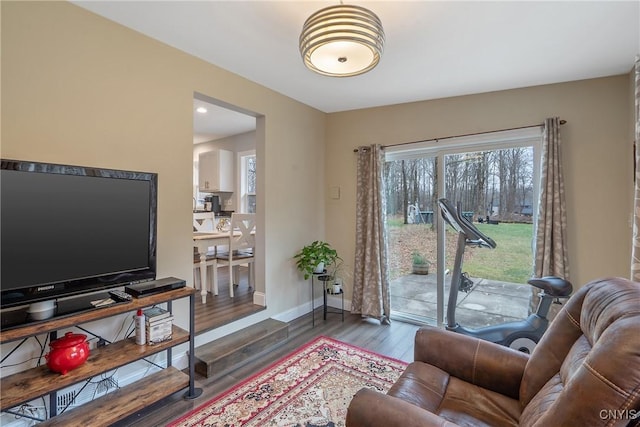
(479, 180)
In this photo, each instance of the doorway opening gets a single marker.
(227, 141)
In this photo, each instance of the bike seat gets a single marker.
(553, 286)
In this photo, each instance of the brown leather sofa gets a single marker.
(584, 372)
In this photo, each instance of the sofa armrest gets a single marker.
(369, 408)
(473, 360)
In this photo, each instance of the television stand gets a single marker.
(28, 385)
(19, 317)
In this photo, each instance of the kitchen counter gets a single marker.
(222, 214)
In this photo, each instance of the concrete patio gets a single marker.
(489, 302)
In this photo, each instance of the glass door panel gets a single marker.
(495, 190)
(412, 237)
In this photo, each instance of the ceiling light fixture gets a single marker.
(342, 41)
(201, 110)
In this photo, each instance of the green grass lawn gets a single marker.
(510, 261)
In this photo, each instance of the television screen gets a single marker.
(67, 230)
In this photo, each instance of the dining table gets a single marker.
(203, 240)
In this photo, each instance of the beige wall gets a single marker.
(79, 89)
(596, 150)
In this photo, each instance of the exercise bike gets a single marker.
(521, 335)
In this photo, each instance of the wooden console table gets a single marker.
(28, 385)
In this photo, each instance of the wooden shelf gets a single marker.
(33, 383)
(117, 405)
(27, 385)
(55, 324)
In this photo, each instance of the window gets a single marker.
(248, 182)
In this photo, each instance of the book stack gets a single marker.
(159, 324)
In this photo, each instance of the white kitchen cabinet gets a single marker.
(215, 171)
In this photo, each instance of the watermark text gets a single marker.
(619, 414)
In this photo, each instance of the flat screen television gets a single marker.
(70, 230)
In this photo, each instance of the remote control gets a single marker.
(120, 296)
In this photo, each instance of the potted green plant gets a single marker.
(314, 257)
(338, 274)
(420, 263)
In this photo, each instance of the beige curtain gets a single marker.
(551, 257)
(635, 249)
(371, 277)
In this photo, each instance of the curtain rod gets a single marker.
(355, 150)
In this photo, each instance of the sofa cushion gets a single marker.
(422, 385)
(453, 399)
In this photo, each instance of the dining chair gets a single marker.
(203, 222)
(241, 250)
(210, 263)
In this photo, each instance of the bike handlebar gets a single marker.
(462, 225)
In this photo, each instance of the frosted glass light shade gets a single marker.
(342, 41)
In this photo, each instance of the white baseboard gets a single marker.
(259, 298)
(333, 301)
(295, 312)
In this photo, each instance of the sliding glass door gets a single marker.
(412, 196)
(494, 181)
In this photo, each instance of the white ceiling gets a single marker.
(434, 49)
(218, 122)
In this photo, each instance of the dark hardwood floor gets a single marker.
(222, 309)
(395, 340)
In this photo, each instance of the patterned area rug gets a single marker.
(311, 387)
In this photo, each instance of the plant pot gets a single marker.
(420, 269)
(319, 268)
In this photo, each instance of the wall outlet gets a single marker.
(334, 192)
